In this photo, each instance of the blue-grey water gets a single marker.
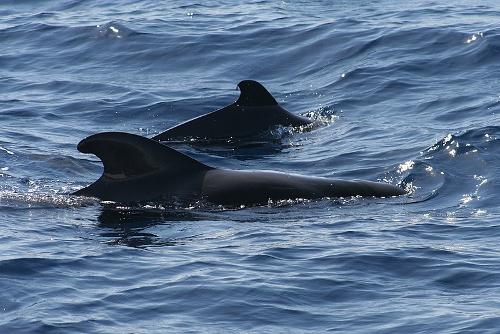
(408, 92)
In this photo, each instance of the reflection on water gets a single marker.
(130, 226)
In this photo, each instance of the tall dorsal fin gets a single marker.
(253, 94)
(126, 155)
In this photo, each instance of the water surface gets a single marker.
(410, 95)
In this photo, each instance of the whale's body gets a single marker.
(137, 169)
(255, 112)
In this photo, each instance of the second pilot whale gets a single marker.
(255, 112)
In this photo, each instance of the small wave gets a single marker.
(452, 146)
(27, 28)
(462, 143)
(467, 277)
(422, 181)
(29, 266)
(6, 150)
(453, 169)
(114, 30)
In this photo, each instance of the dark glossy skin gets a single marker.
(137, 169)
(257, 187)
(255, 112)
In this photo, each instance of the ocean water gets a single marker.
(409, 93)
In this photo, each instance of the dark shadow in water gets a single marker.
(126, 226)
(142, 218)
(270, 142)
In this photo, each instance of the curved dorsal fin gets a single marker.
(253, 94)
(126, 155)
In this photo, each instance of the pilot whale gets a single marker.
(255, 112)
(138, 169)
